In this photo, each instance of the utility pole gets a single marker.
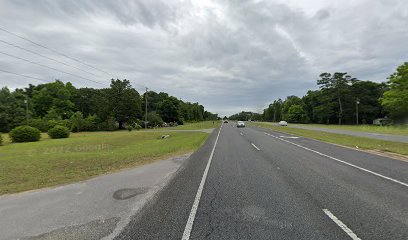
(26, 103)
(357, 103)
(146, 109)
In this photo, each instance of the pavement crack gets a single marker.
(212, 208)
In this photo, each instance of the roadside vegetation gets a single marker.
(342, 139)
(50, 162)
(55, 133)
(343, 99)
(120, 106)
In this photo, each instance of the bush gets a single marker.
(138, 127)
(91, 123)
(65, 123)
(141, 123)
(108, 125)
(58, 132)
(77, 122)
(25, 134)
(154, 119)
(129, 128)
(44, 125)
(41, 124)
(180, 121)
(1, 139)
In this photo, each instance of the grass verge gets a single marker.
(394, 130)
(49, 162)
(342, 139)
(198, 125)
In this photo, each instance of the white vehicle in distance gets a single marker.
(283, 123)
(240, 124)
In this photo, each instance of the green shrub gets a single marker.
(25, 134)
(138, 127)
(41, 124)
(91, 123)
(77, 122)
(180, 121)
(1, 139)
(129, 128)
(44, 125)
(66, 123)
(58, 132)
(154, 119)
(140, 123)
(108, 125)
(111, 124)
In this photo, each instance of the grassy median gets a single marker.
(49, 162)
(198, 125)
(342, 139)
(395, 130)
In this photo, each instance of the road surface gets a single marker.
(380, 136)
(253, 183)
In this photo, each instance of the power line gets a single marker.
(55, 69)
(55, 51)
(41, 55)
(22, 75)
(26, 76)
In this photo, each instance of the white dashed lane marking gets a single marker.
(253, 145)
(341, 161)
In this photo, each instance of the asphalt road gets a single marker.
(260, 184)
(381, 136)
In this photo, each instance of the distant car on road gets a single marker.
(240, 124)
(225, 121)
(283, 123)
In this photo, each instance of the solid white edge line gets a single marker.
(344, 162)
(190, 221)
(253, 145)
(341, 225)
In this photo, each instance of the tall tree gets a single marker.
(296, 114)
(124, 102)
(49, 95)
(168, 109)
(367, 93)
(395, 99)
(290, 101)
(273, 112)
(338, 87)
(12, 109)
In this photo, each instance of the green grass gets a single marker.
(198, 125)
(396, 130)
(49, 162)
(342, 139)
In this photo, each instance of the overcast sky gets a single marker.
(227, 55)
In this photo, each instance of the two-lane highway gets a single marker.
(253, 183)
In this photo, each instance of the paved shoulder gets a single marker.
(90, 209)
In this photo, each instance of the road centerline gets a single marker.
(190, 222)
(341, 225)
(341, 161)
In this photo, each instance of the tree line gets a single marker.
(88, 109)
(342, 99)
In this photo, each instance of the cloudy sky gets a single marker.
(227, 55)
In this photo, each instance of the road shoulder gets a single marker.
(90, 209)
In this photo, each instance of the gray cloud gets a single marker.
(227, 55)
